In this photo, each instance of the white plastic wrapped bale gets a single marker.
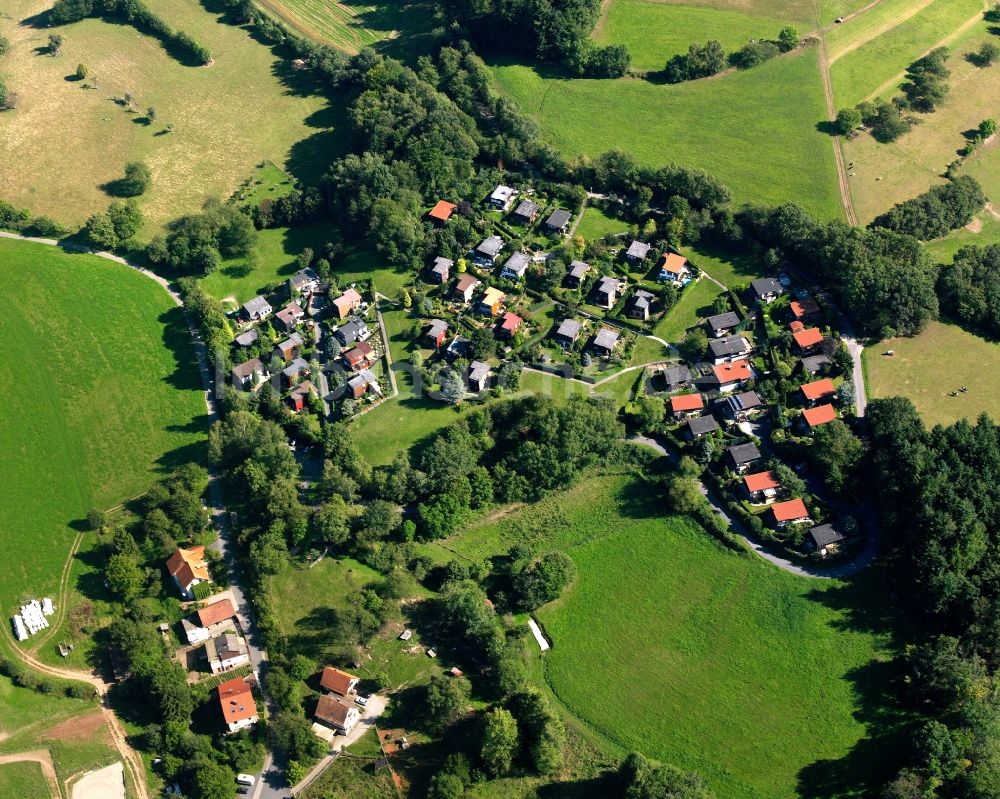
(47, 608)
(19, 631)
(33, 617)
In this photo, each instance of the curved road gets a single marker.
(863, 558)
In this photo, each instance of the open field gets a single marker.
(245, 108)
(113, 398)
(885, 174)
(878, 20)
(730, 269)
(715, 124)
(928, 367)
(758, 679)
(807, 15)
(943, 250)
(867, 69)
(23, 780)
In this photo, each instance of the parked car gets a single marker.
(362, 700)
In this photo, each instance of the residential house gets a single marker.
(730, 376)
(502, 197)
(605, 341)
(722, 324)
(360, 357)
(248, 338)
(256, 310)
(354, 329)
(808, 340)
(684, 406)
(239, 710)
(289, 348)
(510, 323)
(792, 511)
(298, 398)
(637, 252)
(742, 406)
(676, 376)
(526, 212)
(568, 333)
(334, 681)
(818, 391)
(820, 415)
(766, 289)
(302, 282)
(464, 288)
(804, 310)
(442, 211)
(479, 376)
(249, 374)
(298, 369)
(188, 568)
(824, 539)
(488, 250)
(198, 627)
(363, 382)
(815, 364)
(641, 304)
(226, 652)
(742, 456)
(515, 266)
(762, 487)
(731, 348)
(701, 426)
(491, 302)
(458, 348)
(558, 221)
(673, 269)
(337, 713)
(288, 318)
(436, 332)
(577, 273)
(607, 291)
(347, 303)
(441, 271)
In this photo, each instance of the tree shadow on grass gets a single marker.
(177, 339)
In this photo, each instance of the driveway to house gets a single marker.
(863, 558)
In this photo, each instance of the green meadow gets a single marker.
(101, 395)
(754, 130)
(23, 780)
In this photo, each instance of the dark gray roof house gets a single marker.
(527, 210)
(352, 330)
(719, 324)
(479, 374)
(489, 248)
(741, 455)
(739, 405)
(558, 219)
(248, 338)
(257, 308)
(605, 340)
(569, 331)
(442, 269)
(822, 536)
(815, 363)
(300, 366)
(303, 279)
(702, 425)
(766, 289)
(729, 347)
(676, 376)
(458, 348)
(515, 266)
(637, 251)
(578, 271)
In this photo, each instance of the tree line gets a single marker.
(705, 60)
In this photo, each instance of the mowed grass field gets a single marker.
(23, 780)
(885, 174)
(877, 66)
(669, 645)
(754, 130)
(929, 367)
(101, 393)
(984, 231)
(64, 141)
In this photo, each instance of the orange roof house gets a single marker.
(188, 567)
(510, 323)
(793, 510)
(239, 709)
(808, 338)
(673, 267)
(761, 482)
(818, 390)
(216, 612)
(442, 211)
(686, 403)
(337, 681)
(820, 415)
(729, 374)
(796, 326)
(347, 302)
(803, 309)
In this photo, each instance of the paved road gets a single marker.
(863, 559)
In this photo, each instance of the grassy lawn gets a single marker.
(943, 250)
(669, 645)
(596, 224)
(118, 403)
(928, 367)
(354, 775)
(885, 174)
(694, 305)
(245, 108)
(773, 156)
(872, 67)
(24, 780)
(731, 269)
(654, 31)
(24, 709)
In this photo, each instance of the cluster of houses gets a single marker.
(719, 396)
(338, 706)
